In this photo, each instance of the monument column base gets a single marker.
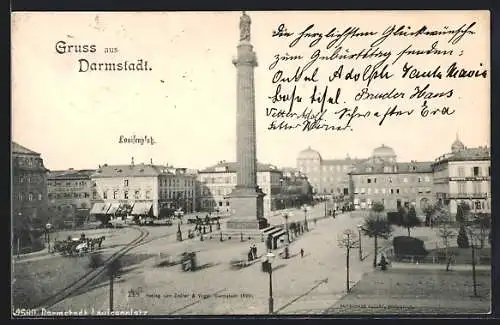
(248, 207)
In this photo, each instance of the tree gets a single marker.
(462, 211)
(410, 220)
(446, 233)
(348, 240)
(462, 239)
(483, 222)
(375, 226)
(429, 211)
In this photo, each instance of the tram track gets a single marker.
(86, 279)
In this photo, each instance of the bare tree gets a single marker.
(348, 239)
(445, 231)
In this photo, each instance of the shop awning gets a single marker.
(100, 208)
(141, 208)
(114, 207)
(278, 234)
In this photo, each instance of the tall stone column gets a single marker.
(246, 199)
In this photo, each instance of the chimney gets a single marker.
(132, 162)
(151, 161)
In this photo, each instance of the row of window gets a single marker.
(176, 195)
(30, 162)
(477, 187)
(338, 168)
(30, 179)
(414, 190)
(174, 182)
(475, 171)
(67, 183)
(68, 195)
(115, 195)
(30, 196)
(401, 179)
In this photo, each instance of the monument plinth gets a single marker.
(246, 200)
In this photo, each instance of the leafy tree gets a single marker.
(462, 211)
(410, 220)
(483, 222)
(462, 239)
(375, 226)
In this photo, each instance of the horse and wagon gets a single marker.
(78, 246)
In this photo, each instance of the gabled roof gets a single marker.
(230, 167)
(17, 148)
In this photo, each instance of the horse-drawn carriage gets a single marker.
(78, 246)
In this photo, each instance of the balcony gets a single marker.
(469, 196)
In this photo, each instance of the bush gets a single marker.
(405, 246)
(462, 239)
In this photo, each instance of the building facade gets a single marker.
(218, 181)
(69, 194)
(29, 189)
(141, 189)
(328, 177)
(464, 175)
(381, 178)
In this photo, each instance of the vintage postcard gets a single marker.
(251, 163)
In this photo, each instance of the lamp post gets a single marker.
(305, 208)
(48, 226)
(474, 283)
(326, 200)
(360, 227)
(287, 248)
(270, 257)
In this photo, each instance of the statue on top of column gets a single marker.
(245, 27)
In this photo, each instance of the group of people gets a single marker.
(252, 253)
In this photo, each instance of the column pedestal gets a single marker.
(248, 209)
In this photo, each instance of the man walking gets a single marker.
(301, 252)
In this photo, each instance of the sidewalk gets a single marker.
(429, 266)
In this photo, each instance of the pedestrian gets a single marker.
(301, 252)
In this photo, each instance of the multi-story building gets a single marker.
(295, 189)
(327, 176)
(464, 175)
(381, 178)
(29, 190)
(69, 194)
(218, 181)
(141, 189)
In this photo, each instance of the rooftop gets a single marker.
(70, 174)
(224, 167)
(17, 148)
(401, 167)
(466, 154)
(137, 170)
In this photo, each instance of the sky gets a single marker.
(187, 102)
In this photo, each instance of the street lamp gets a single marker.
(305, 208)
(48, 226)
(474, 283)
(270, 258)
(287, 249)
(19, 236)
(360, 227)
